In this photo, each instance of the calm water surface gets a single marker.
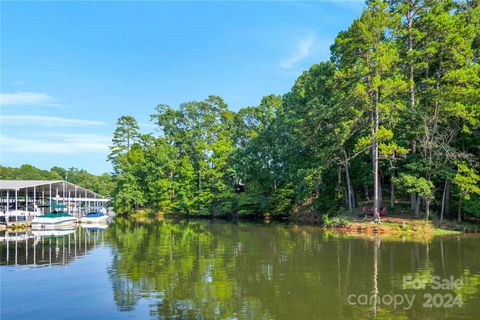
(221, 270)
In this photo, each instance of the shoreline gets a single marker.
(401, 225)
(395, 226)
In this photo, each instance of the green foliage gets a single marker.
(29, 172)
(413, 184)
(334, 222)
(392, 150)
(125, 135)
(402, 89)
(467, 181)
(102, 184)
(472, 206)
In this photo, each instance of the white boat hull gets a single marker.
(94, 226)
(102, 219)
(52, 232)
(41, 222)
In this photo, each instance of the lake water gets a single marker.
(221, 270)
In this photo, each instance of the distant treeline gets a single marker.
(101, 184)
(392, 120)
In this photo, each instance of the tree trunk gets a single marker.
(417, 207)
(447, 200)
(349, 185)
(409, 16)
(460, 209)
(413, 200)
(411, 74)
(376, 179)
(444, 200)
(380, 191)
(427, 208)
(392, 190)
(345, 194)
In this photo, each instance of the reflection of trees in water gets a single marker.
(126, 292)
(200, 269)
(181, 266)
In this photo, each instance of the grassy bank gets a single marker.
(394, 226)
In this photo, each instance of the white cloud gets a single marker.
(304, 49)
(47, 121)
(56, 144)
(32, 98)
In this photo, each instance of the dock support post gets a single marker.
(34, 198)
(16, 248)
(50, 194)
(26, 203)
(8, 201)
(16, 200)
(43, 200)
(75, 202)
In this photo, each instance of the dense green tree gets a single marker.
(397, 105)
(28, 172)
(366, 59)
(125, 135)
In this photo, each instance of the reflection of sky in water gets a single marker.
(79, 290)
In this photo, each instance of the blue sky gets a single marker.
(69, 70)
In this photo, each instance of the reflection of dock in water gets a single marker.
(47, 247)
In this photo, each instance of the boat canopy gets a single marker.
(56, 214)
(53, 205)
(94, 215)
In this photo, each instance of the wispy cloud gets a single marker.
(303, 49)
(56, 144)
(47, 121)
(31, 98)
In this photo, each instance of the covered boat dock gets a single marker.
(21, 200)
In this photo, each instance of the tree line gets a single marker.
(101, 184)
(392, 120)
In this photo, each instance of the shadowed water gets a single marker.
(220, 270)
